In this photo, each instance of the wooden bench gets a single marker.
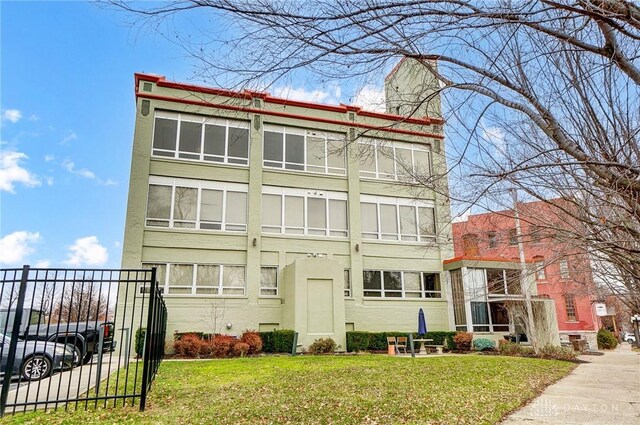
(438, 348)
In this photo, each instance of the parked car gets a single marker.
(37, 360)
(83, 335)
(629, 337)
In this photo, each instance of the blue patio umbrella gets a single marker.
(422, 323)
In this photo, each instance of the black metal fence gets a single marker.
(78, 338)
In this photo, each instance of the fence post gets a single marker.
(147, 342)
(13, 345)
(413, 350)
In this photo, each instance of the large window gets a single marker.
(201, 138)
(503, 282)
(564, 269)
(195, 204)
(397, 219)
(393, 160)
(200, 279)
(489, 317)
(397, 284)
(304, 150)
(304, 212)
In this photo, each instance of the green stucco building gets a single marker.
(264, 213)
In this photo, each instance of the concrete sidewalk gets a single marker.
(604, 391)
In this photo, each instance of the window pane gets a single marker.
(427, 221)
(316, 213)
(369, 217)
(412, 281)
(273, 146)
(479, 314)
(495, 281)
(315, 151)
(385, 162)
(294, 211)
(338, 214)
(366, 158)
(208, 275)
(164, 134)
(159, 202)
(408, 225)
(403, 162)
(421, 162)
(388, 221)
(271, 210)
(392, 281)
(181, 275)
(294, 151)
(236, 208)
(239, 142)
(190, 134)
(336, 153)
(347, 283)
(184, 207)
(268, 281)
(214, 140)
(233, 276)
(371, 280)
(513, 282)
(161, 272)
(432, 282)
(211, 206)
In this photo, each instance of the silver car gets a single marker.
(36, 360)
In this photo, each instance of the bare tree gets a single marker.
(84, 301)
(557, 79)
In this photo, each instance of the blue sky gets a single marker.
(68, 109)
(67, 106)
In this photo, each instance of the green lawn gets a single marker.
(362, 389)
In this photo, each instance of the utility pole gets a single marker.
(523, 273)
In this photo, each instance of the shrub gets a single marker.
(283, 341)
(322, 346)
(507, 348)
(221, 345)
(240, 348)
(606, 340)
(140, 338)
(190, 345)
(357, 341)
(253, 340)
(557, 353)
(463, 341)
(482, 344)
(267, 341)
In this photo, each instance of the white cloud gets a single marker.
(87, 251)
(16, 246)
(42, 264)
(288, 92)
(109, 182)
(49, 158)
(70, 166)
(496, 137)
(370, 98)
(11, 172)
(12, 115)
(34, 117)
(71, 136)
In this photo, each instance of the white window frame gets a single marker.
(348, 289)
(166, 285)
(227, 225)
(269, 288)
(371, 147)
(328, 138)
(306, 194)
(403, 291)
(398, 202)
(203, 120)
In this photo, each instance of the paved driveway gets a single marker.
(69, 384)
(604, 391)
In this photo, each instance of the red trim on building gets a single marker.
(496, 259)
(247, 94)
(287, 115)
